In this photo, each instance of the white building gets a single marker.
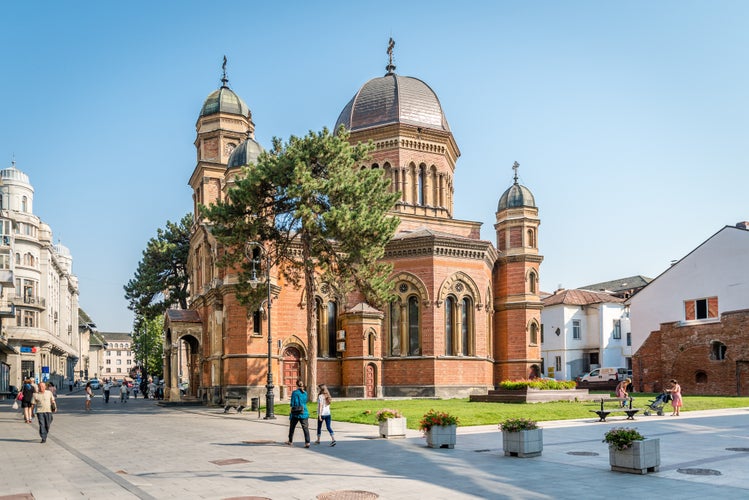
(710, 280)
(583, 330)
(119, 358)
(39, 296)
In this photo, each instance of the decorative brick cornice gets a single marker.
(439, 246)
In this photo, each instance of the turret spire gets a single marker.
(390, 67)
(515, 167)
(224, 79)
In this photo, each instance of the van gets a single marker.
(605, 375)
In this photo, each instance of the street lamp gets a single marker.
(249, 252)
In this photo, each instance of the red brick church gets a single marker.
(467, 313)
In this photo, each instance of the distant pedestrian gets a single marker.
(70, 385)
(51, 387)
(107, 387)
(621, 390)
(151, 389)
(89, 395)
(299, 413)
(124, 393)
(323, 413)
(27, 402)
(44, 401)
(135, 391)
(675, 390)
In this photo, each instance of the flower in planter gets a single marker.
(518, 424)
(432, 418)
(621, 438)
(387, 413)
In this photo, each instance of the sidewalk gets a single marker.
(141, 450)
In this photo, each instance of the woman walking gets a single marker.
(299, 413)
(44, 401)
(675, 391)
(89, 395)
(27, 403)
(323, 413)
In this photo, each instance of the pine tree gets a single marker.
(310, 197)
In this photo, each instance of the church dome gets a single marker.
(393, 99)
(244, 154)
(224, 100)
(516, 196)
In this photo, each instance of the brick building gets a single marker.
(467, 313)
(691, 323)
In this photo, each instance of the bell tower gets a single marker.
(517, 305)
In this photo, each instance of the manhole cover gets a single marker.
(737, 449)
(347, 495)
(699, 472)
(583, 453)
(481, 451)
(230, 461)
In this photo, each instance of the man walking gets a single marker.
(107, 388)
(44, 402)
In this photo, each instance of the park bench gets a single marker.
(233, 400)
(604, 411)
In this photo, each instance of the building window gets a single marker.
(629, 338)
(701, 308)
(108, 361)
(413, 327)
(531, 238)
(532, 282)
(542, 333)
(717, 350)
(533, 333)
(617, 329)
(558, 363)
(449, 325)
(24, 204)
(119, 361)
(395, 332)
(5, 259)
(370, 344)
(700, 377)
(420, 185)
(466, 326)
(257, 323)
(332, 327)
(404, 323)
(576, 329)
(109, 370)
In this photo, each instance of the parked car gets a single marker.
(95, 385)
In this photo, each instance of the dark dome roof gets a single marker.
(245, 153)
(224, 100)
(516, 196)
(393, 99)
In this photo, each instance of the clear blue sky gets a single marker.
(629, 119)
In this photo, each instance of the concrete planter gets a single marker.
(640, 458)
(441, 436)
(523, 444)
(393, 428)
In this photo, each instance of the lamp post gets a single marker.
(249, 252)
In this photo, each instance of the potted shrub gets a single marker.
(439, 429)
(521, 437)
(629, 451)
(392, 423)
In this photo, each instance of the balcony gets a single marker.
(6, 278)
(30, 300)
(7, 309)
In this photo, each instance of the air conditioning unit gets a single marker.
(340, 335)
(341, 347)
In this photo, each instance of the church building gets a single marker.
(467, 312)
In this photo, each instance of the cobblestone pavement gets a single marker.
(142, 450)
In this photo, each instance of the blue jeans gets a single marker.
(320, 420)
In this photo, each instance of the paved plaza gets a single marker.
(142, 450)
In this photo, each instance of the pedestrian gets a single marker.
(621, 390)
(151, 389)
(323, 413)
(124, 393)
(27, 402)
(89, 395)
(135, 391)
(675, 390)
(107, 387)
(70, 385)
(44, 401)
(51, 387)
(299, 413)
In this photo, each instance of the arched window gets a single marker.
(700, 377)
(18, 258)
(420, 185)
(449, 325)
(24, 204)
(395, 330)
(531, 238)
(717, 350)
(332, 328)
(532, 282)
(370, 344)
(413, 326)
(321, 315)
(404, 319)
(533, 333)
(466, 326)
(257, 323)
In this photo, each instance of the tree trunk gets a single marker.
(309, 291)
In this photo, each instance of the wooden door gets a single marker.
(291, 369)
(370, 381)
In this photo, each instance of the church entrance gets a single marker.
(292, 369)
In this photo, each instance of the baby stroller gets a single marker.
(657, 404)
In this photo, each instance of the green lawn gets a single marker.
(363, 411)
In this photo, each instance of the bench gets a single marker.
(604, 412)
(233, 400)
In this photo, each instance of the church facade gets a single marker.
(467, 313)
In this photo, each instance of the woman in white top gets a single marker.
(323, 413)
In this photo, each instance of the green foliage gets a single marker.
(537, 383)
(148, 345)
(321, 218)
(387, 413)
(433, 417)
(518, 424)
(160, 281)
(621, 438)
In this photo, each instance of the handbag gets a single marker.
(54, 407)
(297, 410)
(20, 396)
(15, 404)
